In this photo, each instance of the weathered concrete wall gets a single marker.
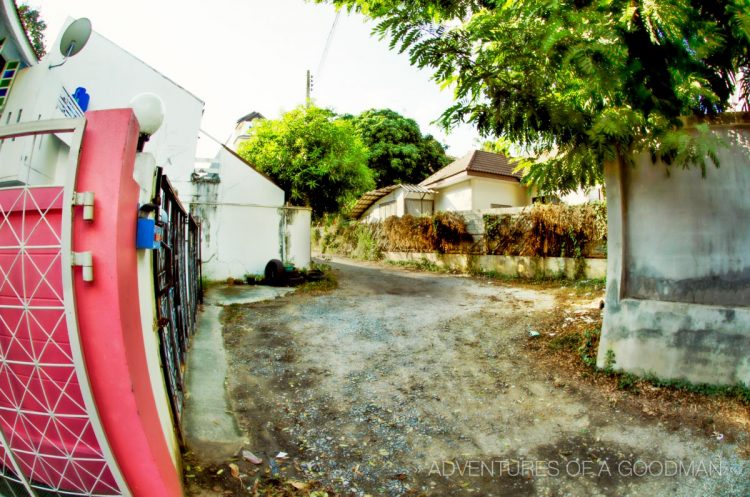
(297, 236)
(678, 283)
(244, 223)
(240, 239)
(509, 265)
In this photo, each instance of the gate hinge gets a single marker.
(86, 261)
(86, 199)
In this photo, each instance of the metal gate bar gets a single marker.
(177, 285)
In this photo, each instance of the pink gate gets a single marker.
(77, 408)
(48, 439)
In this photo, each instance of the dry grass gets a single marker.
(445, 232)
(568, 338)
(548, 231)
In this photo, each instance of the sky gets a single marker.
(240, 56)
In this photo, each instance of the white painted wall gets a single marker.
(298, 238)
(488, 191)
(242, 221)
(36, 95)
(378, 211)
(454, 198)
(112, 77)
(242, 184)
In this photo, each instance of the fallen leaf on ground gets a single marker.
(299, 485)
(234, 469)
(251, 458)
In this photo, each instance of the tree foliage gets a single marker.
(578, 82)
(34, 26)
(316, 158)
(399, 153)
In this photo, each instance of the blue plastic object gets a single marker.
(82, 98)
(147, 235)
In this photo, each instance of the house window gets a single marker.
(498, 206)
(6, 79)
(419, 207)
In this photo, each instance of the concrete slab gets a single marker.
(243, 294)
(210, 427)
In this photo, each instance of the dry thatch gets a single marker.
(445, 232)
(549, 231)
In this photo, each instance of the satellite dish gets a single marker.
(75, 37)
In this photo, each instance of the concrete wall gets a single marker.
(298, 241)
(454, 198)
(512, 266)
(487, 192)
(241, 239)
(678, 286)
(241, 184)
(244, 223)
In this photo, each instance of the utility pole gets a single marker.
(309, 88)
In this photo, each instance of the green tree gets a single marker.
(578, 81)
(316, 158)
(34, 26)
(399, 152)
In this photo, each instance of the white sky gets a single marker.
(251, 55)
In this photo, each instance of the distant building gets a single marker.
(477, 181)
(242, 129)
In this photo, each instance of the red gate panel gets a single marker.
(43, 416)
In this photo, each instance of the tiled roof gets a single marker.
(250, 117)
(369, 198)
(477, 161)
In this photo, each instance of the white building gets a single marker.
(394, 200)
(111, 77)
(242, 129)
(242, 231)
(477, 181)
(246, 218)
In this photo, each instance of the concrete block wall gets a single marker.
(678, 279)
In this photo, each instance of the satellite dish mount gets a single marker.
(74, 39)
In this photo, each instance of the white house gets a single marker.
(111, 76)
(242, 129)
(394, 200)
(477, 181)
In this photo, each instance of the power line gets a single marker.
(328, 44)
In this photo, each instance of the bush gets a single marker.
(549, 231)
(445, 232)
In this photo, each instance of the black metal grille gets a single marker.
(177, 284)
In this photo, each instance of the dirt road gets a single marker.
(405, 383)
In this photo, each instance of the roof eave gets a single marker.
(13, 21)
